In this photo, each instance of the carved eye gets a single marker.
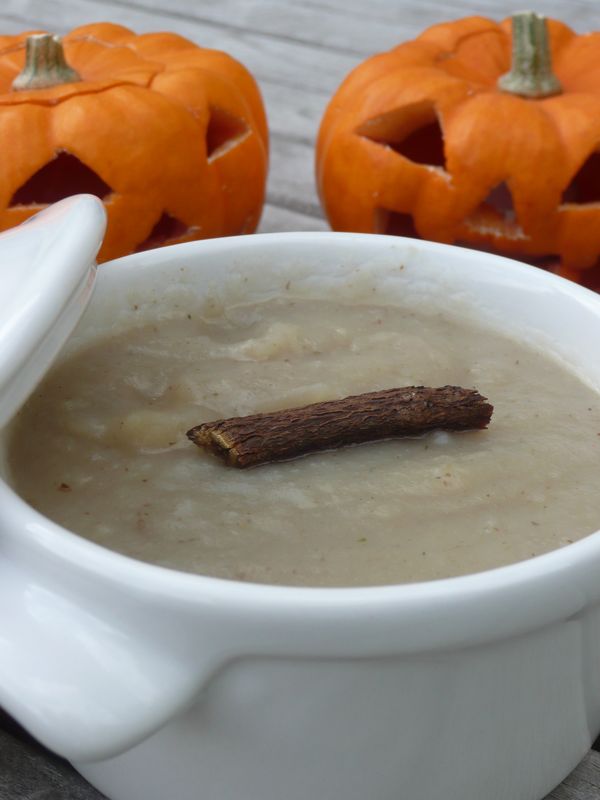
(413, 131)
(63, 176)
(585, 185)
(224, 131)
(166, 229)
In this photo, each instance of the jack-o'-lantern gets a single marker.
(442, 138)
(172, 137)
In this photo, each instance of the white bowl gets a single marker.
(158, 684)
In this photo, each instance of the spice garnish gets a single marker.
(280, 435)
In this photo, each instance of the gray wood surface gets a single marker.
(28, 773)
(299, 52)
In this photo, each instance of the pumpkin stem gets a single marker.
(531, 72)
(45, 64)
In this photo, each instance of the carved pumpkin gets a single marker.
(172, 137)
(433, 139)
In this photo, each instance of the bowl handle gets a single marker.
(90, 669)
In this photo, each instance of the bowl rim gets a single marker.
(59, 544)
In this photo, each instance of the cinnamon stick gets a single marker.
(411, 411)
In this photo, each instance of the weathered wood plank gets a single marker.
(387, 24)
(292, 168)
(30, 773)
(289, 63)
(275, 218)
(583, 783)
(407, 17)
(13, 22)
(287, 22)
(345, 25)
(294, 113)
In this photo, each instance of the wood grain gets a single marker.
(299, 52)
(583, 783)
(29, 773)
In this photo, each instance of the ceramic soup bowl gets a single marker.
(158, 684)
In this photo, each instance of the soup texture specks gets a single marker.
(101, 447)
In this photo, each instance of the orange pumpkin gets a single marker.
(433, 139)
(172, 137)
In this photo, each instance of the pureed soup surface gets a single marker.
(101, 447)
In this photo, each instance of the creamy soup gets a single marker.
(101, 447)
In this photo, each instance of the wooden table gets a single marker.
(299, 52)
